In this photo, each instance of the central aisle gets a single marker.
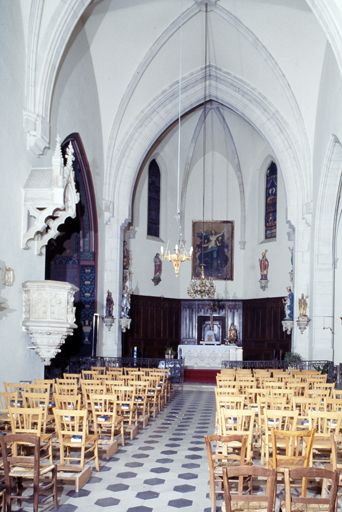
(164, 468)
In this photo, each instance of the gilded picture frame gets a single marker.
(216, 251)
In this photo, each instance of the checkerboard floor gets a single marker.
(164, 468)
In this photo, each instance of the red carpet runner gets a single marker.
(200, 376)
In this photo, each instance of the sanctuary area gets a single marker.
(171, 181)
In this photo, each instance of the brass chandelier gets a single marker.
(201, 287)
(180, 253)
(178, 256)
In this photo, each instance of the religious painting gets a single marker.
(213, 247)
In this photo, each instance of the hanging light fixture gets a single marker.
(180, 253)
(201, 287)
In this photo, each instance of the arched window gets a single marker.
(271, 202)
(153, 204)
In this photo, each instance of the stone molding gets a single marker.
(49, 197)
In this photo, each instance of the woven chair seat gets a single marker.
(304, 507)
(27, 470)
(260, 506)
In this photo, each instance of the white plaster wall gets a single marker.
(75, 108)
(326, 297)
(222, 202)
(294, 38)
(17, 362)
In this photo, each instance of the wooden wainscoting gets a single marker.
(156, 324)
(263, 335)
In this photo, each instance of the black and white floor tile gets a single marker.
(164, 468)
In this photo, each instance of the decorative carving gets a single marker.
(287, 326)
(50, 197)
(7, 276)
(125, 323)
(49, 315)
(203, 3)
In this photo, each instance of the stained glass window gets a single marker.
(153, 205)
(271, 202)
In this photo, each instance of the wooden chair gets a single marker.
(153, 396)
(101, 370)
(89, 375)
(13, 387)
(303, 405)
(66, 388)
(29, 421)
(108, 425)
(42, 400)
(291, 449)
(325, 424)
(297, 388)
(281, 392)
(95, 387)
(68, 402)
(7, 399)
(268, 403)
(314, 503)
(228, 451)
(333, 404)
(279, 419)
(239, 422)
(72, 435)
(127, 407)
(246, 500)
(335, 462)
(143, 409)
(226, 402)
(40, 388)
(75, 377)
(115, 371)
(22, 467)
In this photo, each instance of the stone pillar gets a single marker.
(111, 339)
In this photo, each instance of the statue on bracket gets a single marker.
(288, 307)
(157, 269)
(109, 304)
(288, 304)
(303, 320)
(264, 265)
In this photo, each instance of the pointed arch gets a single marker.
(229, 91)
(73, 255)
(237, 169)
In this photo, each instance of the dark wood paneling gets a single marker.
(264, 338)
(155, 325)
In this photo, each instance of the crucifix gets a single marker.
(211, 309)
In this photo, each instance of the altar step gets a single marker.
(200, 376)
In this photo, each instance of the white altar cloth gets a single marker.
(208, 356)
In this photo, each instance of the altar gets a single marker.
(208, 356)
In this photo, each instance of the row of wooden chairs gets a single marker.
(229, 466)
(81, 415)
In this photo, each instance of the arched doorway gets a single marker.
(72, 256)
